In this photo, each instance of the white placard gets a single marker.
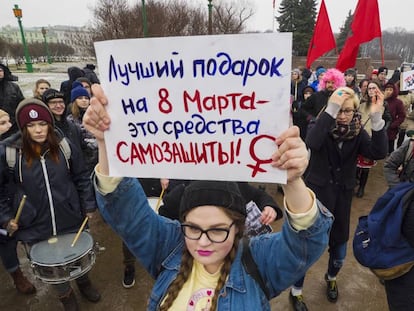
(203, 107)
(407, 80)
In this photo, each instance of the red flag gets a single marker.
(323, 39)
(365, 27)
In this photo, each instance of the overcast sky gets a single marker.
(393, 13)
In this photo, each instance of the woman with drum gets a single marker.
(197, 262)
(8, 245)
(51, 176)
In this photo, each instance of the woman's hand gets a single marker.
(12, 226)
(291, 154)
(96, 120)
(268, 215)
(338, 97)
(164, 182)
(377, 101)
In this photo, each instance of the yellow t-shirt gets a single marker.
(197, 293)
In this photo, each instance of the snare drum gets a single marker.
(59, 262)
(153, 203)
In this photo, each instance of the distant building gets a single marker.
(76, 37)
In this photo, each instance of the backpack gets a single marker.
(404, 174)
(12, 159)
(378, 242)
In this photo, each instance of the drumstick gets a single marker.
(80, 230)
(19, 210)
(159, 200)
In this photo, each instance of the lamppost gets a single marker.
(210, 18)
(49, 60)
(19, 14)
(144, 19)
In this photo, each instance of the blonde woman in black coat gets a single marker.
(335, 142)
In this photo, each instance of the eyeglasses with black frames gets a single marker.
(215, 235)
(54, 103)
(347, 112)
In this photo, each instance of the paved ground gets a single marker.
(358, 288)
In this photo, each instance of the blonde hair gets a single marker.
(37, 83)
(353, 96)
(75, 110)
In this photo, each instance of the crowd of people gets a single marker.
(349, 125)
(47, 157)
(53, 159)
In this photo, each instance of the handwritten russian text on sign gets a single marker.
(205, 107)
(407, 80)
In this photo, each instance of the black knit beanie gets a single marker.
(218, 193)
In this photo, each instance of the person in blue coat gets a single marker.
(196, 262)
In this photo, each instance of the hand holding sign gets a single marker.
(292, 154)
(195, 107)
(97, 120)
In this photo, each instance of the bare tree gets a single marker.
(112, 20)
(230, 19)
(115, 19)
(3, 47)
(397, 44)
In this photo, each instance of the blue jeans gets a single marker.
(8, 254)
(337, 255)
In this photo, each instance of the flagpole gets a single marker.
(273, 16)
(382, 51)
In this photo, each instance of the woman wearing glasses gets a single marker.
(197, 262)
(56, 103)
(335, 142)
(364, 164)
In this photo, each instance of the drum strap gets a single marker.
(64, 146)
(27, 248)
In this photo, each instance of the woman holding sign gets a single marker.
(197, 262)
(335, 141)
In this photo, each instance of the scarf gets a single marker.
(342, 132)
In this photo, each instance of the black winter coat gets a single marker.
(10, 96)
(310, 109)
(71, 191)
(331, 172)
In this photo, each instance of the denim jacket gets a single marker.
(158, 243)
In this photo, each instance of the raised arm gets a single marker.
(96, 120)
(292, 155)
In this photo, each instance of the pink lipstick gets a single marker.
(204, 253)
